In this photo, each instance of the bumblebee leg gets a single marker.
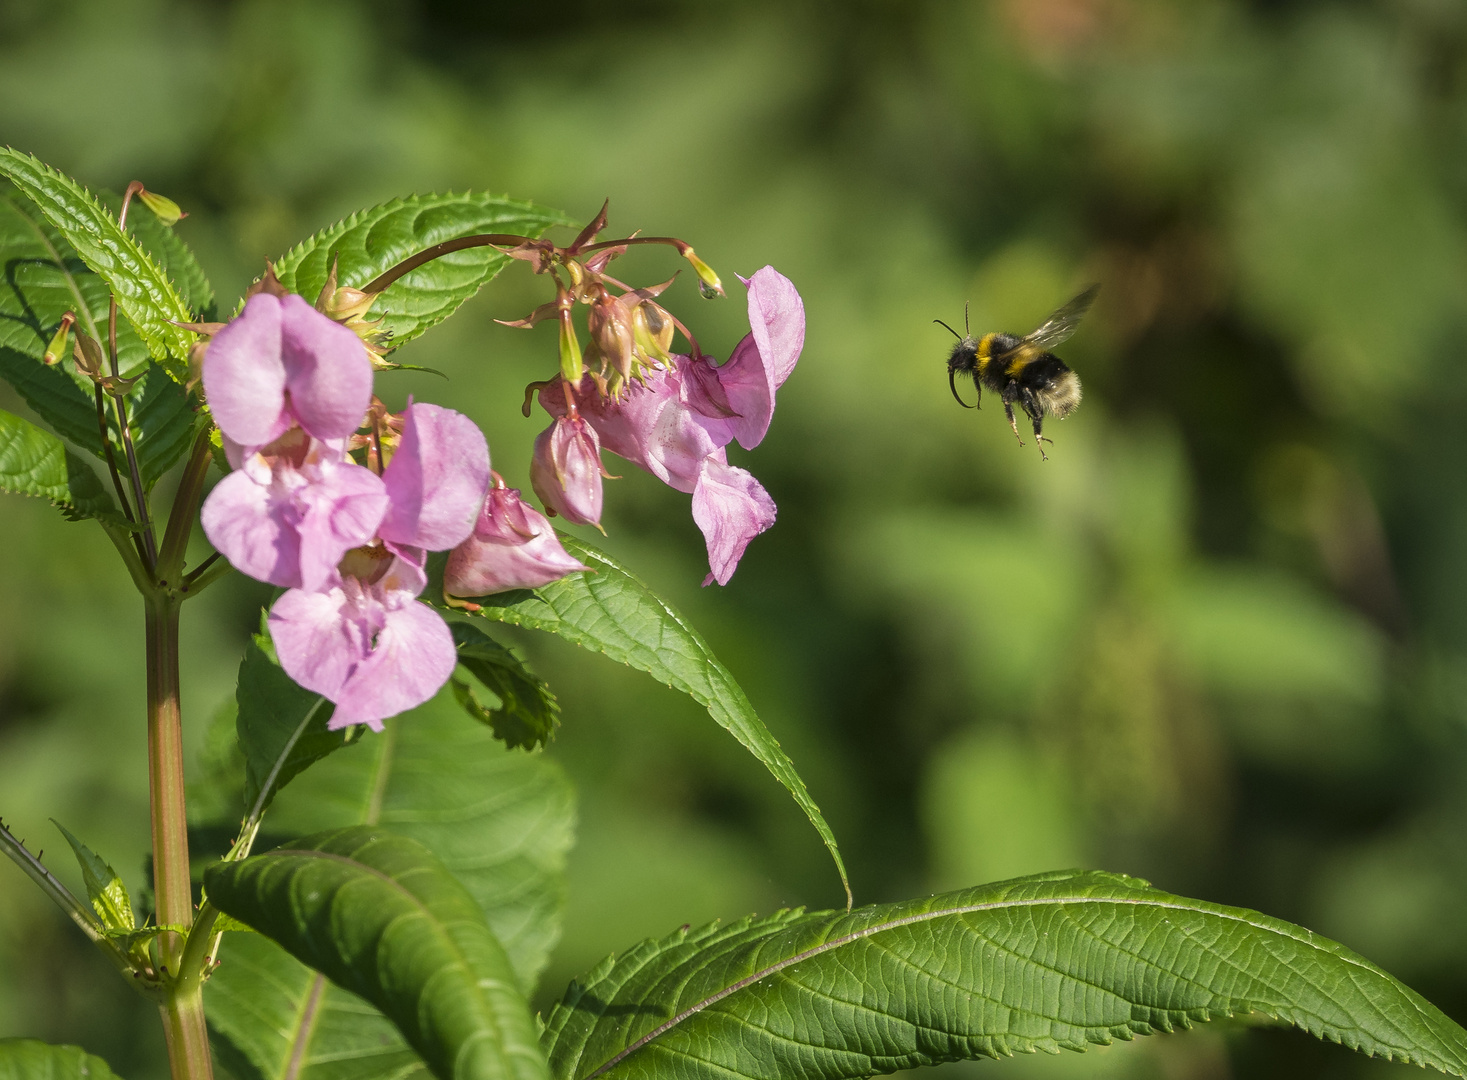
(1007, 397)
(1040, 439)
(1035, 411)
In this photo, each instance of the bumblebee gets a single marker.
(1022, 369)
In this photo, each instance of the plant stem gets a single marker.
(183, 1011)
(408, 265)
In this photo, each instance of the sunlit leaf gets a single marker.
(381, 916)
(611, 611)
(28, 1059)
(104, 887)
(37, 463)
(1049, 962)
(144, 293)
(375, 240)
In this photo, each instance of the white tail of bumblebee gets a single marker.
(1062, 396)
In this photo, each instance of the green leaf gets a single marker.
(381, 916)
(27, 1059)
(104, 887)
(169, 251)
(527, 713)
(611, 611)
(1054, 961)
(500, 820)
(37, 463)
(144, 293)
(281, 726)
(373, 241)
(43, 280)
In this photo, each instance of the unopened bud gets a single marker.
(708, 283)
(56, 351)
(652, 327)
(167, 210)
(88, 355)
(570, 349)
(347, 303)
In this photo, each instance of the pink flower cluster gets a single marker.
(289, 388)
(676, 424)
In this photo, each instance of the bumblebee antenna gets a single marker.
(966, 328)
(952, 382)
(949, 329)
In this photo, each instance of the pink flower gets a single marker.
(513, 547)
(676, 423)
(368, 645)
(566, 470)
(365, 642)
(292, 509)
(280, 363)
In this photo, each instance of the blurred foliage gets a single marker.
(1218, 640)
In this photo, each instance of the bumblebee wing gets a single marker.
(1062, 323)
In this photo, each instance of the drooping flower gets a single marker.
(281, 363)
(677, 420)
(513, 547)
(366, 642)
(566, 470)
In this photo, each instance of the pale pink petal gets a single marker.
(731, 508)
(436, 480)
(566, 470)
(318, 643)
(339, 512)
(328, 373)
(251, 529)
(411, 659)
(513, 547)
(244, 375)
(763, 360)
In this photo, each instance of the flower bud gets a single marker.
(88, 355)
(56, 351)
(513, 547)
(570, 348)
(652, 328)
(610, 324)
(566, 470)
(166, 209)
(708, 283)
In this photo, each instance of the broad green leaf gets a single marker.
(611, 611)
(144, 293)
(169, 251)
(1054, 961)
(500, 820)
(37, 463)
(527, 713)
(104, 887)
(375, 240)
(281, 727)
(45, 279)
(28, 1059)
(381, 916)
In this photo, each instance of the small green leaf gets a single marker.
(44, 280)
(104, 888)
(1054, 961)
(527, 713)
(381, 916)
(37, 463)
(375, 240)
(281, 726)
(611, 611)
(28, 1059)
(144, 293)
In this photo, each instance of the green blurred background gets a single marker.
(1218, 640)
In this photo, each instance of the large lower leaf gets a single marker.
(500, 820)
(43, 279)
(612, 611)
(1050, 962)
(381, 916)
(35, 462)
(375, 240)
(27, 1059)
(144, 293)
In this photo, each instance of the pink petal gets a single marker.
(244, 375)
(328, 373)
(412, 658)
(566, 470)
(245, 525)
(513, 547)
(341, 512)
(318, 646)
(731, 508)
(436, 480)
(763, 360)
